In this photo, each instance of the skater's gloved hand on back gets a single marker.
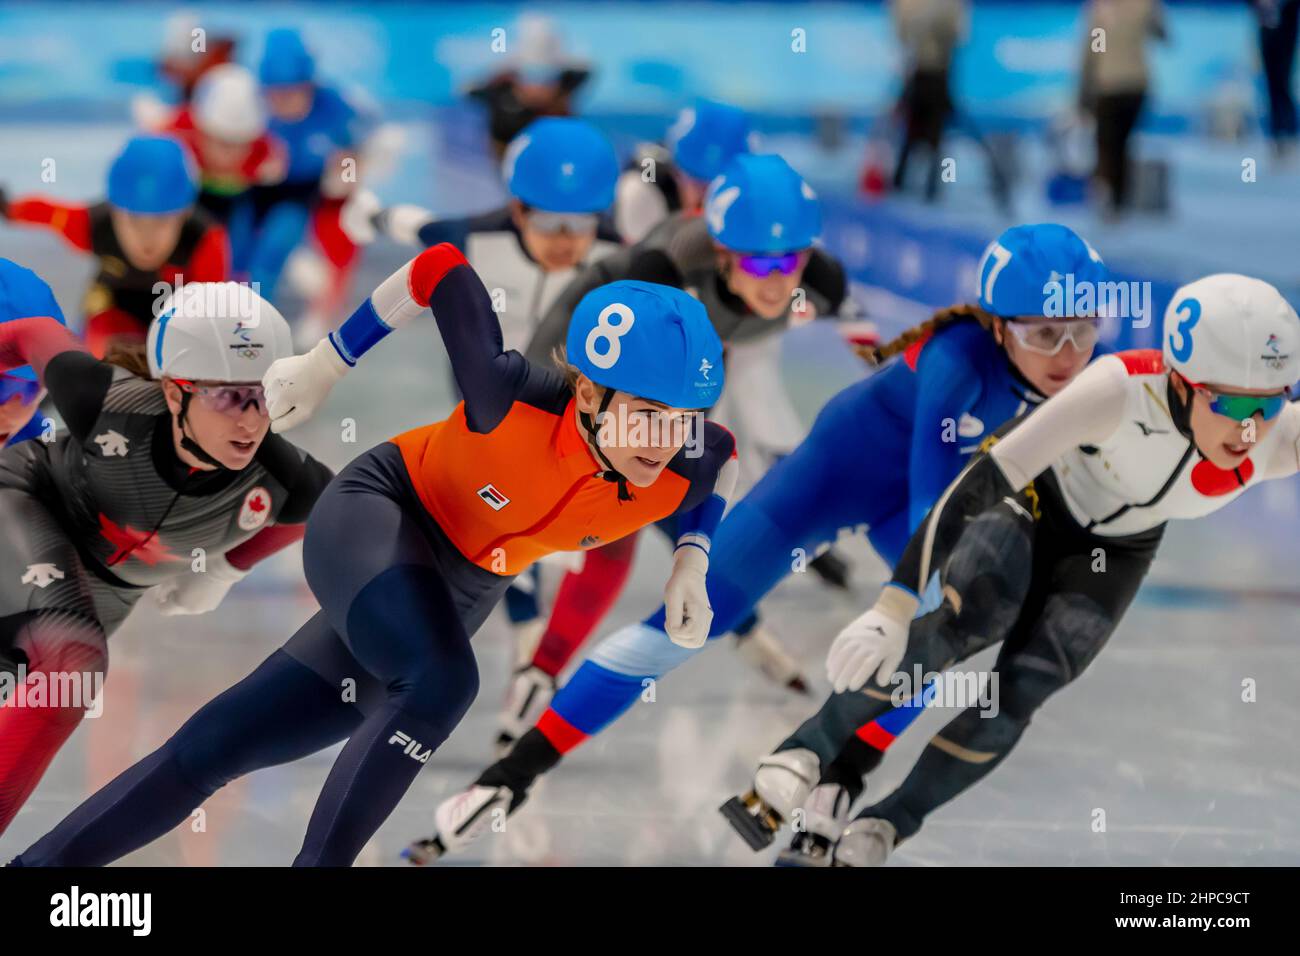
(296, 386)
(874, 643)
(687, 611)
(197, 592)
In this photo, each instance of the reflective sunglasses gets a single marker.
(27, 389)
(574, 223)
(1241, 407)
(760, 267)
(227, 399)
(1048, 337)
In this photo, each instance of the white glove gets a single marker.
(686, 601)
(296, 386)
(197, 592)
(564, 561)
(357, 216)
(875, 642)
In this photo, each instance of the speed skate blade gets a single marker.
(751, 829)
(423, 852)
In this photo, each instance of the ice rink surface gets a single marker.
(1156, 734)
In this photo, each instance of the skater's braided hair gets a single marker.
(130, 356)
(954, 313)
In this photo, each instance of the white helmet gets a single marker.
(228, 104)
(1234, 331)
(217, 332)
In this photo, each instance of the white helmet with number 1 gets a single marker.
(217, 332)
(1234, 331)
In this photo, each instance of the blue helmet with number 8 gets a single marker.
(1234, 331)
(649, 340)
(1017, 266)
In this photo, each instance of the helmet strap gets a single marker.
(1180, 409)
(610, 473)
(188, 443)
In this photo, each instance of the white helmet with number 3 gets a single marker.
(217, 332)
(1234, 331)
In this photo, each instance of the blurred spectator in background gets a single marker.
(322, 132)
(928, 31)
(225, 128)
(539, 79)
(1278, 20)
(1113, 85)
(189, 51)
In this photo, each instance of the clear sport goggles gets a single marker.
(1241, 407)
(1047, 337)
(574, 223)
(27, 389)
(227, 399)
(760, 267)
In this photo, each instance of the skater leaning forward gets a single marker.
(1139, 438)
(412, 545)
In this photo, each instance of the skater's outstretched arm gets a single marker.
(364, 218)
(440, 279)
(688, 614)
(1087, 411)
(70, 220)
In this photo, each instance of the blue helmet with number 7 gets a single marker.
(649, 340)
(1018, 267)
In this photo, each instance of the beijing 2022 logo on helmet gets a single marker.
(244, 346)
(1273, 358)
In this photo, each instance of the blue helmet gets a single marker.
(24, 294)
(152, 176)
(561, 164)
(285, 59)
(706, 136)
(1019, 264)
(650, 340)
(760, 204)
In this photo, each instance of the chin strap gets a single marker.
(188, 443)
(1180, 411)
(610, 473)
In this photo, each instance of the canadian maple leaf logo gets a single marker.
(129, 542)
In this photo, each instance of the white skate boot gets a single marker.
(824, 815)
(782, 784)
(762, 650)
(867, 841)
(459, 821)
(529, 695)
